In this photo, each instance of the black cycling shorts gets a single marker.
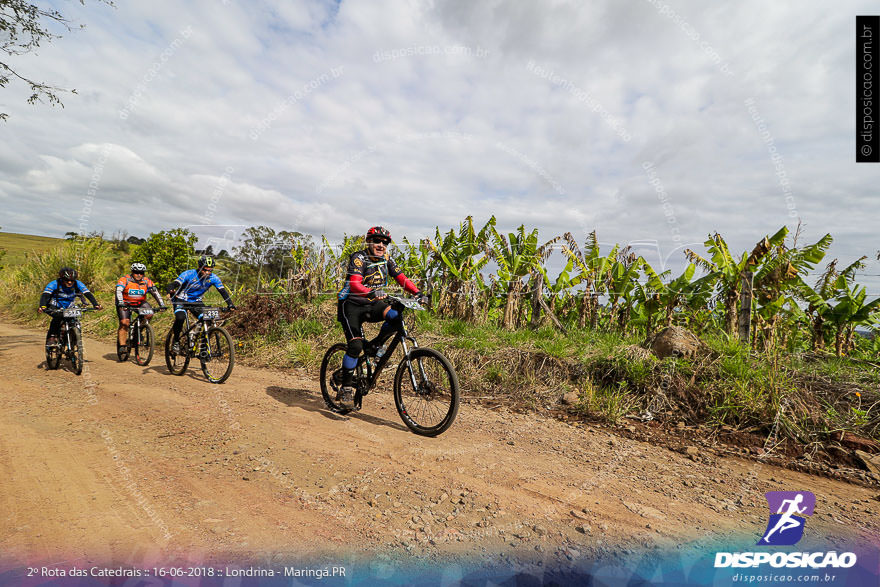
(124, 312)
(180, 309)
(352, 316)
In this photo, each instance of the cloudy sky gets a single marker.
(654, 123)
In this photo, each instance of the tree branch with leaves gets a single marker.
(24, 27)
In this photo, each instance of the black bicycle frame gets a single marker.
(207, 323)
(66, 326)
(400, 337)
(137, 324)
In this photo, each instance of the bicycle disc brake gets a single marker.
(336, 379)
(361, 390)
(427, 389)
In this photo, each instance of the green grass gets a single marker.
(20, 246)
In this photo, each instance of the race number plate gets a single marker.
(211, 314)
(411, 304)
(71, 312)
(145, 311)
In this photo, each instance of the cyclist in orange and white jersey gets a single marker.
(132, 290)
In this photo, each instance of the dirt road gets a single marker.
(133, 465)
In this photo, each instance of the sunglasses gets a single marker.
(380, 241)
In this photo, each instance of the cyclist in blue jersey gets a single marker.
(59, 294)
(189, 287)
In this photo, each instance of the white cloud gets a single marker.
(436, 115)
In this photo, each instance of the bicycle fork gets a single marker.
(203, 342)
(409, 362)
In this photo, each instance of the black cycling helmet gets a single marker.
(67, 274)
(379, 233)
(206, 261)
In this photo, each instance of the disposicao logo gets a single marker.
(786, 525)
(788, 511)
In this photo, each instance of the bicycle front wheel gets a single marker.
(426, 392)
(216, 354)
(143, 345)
(76, 350)
(53, 357)
(176, 362)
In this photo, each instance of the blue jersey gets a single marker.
(192, 288)
(63, 297)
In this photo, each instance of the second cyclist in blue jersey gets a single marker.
(187, 290)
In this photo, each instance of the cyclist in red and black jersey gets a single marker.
(361, 299)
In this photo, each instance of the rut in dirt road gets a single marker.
(128, 462)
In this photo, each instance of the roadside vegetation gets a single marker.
(523, 334)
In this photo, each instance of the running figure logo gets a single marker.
(787, 511)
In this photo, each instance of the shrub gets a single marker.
(166, 254)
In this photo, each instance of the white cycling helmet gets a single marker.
(138, 268)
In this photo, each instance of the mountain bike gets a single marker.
(206, 339)
(69, 344)
(140, 336)
(426, 391)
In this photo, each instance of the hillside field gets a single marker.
(17, 246)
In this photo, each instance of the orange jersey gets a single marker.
(133, 293)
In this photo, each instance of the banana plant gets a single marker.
(648, 296)
(517, 255)
(820, 297)
(460, 257)
(620, 283)
(306, 274)
(591, 267)
(417, 264)
(776, 282)
(850, 311)
(560, 286)
(334, 259)
(727, 270)
(665, 299)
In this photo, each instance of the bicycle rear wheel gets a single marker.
(216, 355)
(143, 345)
(426, 392)
(177, 362)
(331, 378)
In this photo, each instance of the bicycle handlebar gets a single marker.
(159, 309)
(197, 305)
(53, 311)
(410, 303)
